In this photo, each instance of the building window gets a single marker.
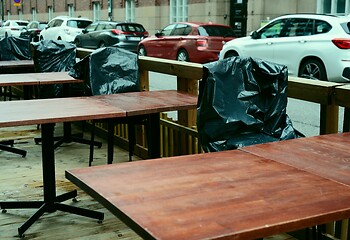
(130, 10)
(33, 14)
(336, 7)
(178, 10)
(50, 12)
(96, 9)
(70, 10)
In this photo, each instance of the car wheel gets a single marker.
(101, 45)
(59, 38)
(183, 56)
(313, 69)
(231, 54)
(142, 51)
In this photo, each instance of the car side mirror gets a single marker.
(84, 31)
(158, 34)
(254, 35)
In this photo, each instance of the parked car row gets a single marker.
(314, 46)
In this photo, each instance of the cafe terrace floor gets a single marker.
(21, 179)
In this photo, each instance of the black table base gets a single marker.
(51, 202)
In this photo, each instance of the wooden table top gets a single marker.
(16, 64)
(327, 156)
(222, 195)
(147, 102)
(45, 78)
(40, 111)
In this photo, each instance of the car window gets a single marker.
(21, 24)
(181, 30)
(272, 30)
(322, 27)
(130, 27)
(57, 23)
(109, 26)
(167, 30)
(100, 27)
(215, 31)
(346, 27)
(33, 25)
(298, 27)
(78, 23)
(91, 27)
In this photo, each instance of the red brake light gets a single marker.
(117, 32)
(342, 43)
(202, 43)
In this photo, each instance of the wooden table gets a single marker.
(47, 112)
(150, 103)
(16, 66)
(327, 156)
(40, 79)
(223, 195)
(50, 111)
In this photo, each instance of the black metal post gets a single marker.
(2, 10)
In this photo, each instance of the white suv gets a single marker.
(64, 28)
(312, 46)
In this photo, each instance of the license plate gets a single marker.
(134, 38)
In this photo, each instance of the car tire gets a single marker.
(142, 51)
(313, 69)
(231, 54)
(182, 55)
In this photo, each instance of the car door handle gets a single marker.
(269, 43)
(302, 41)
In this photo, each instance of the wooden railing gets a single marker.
(188, 75)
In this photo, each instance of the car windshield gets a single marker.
(215, 31)
(78, 23)
(22, 23)
(130, 28)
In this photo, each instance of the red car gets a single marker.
(187, 41)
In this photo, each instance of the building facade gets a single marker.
(243, 15)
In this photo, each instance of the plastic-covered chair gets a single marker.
(58, 56)
(241, 102)
(111, 70)
(13, 48)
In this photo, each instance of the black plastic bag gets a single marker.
(108, 70)
(15, 48)
(55, 56)
(241, 102)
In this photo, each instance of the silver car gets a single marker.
(312, 46)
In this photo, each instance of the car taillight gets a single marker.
(342, 43)
(117, 32)
(202, 43)
(37, 31)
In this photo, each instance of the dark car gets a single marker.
(106, 33)
(33, 30)
(187, 41)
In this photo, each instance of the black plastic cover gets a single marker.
(15, 48)
(54, 56)
(108, 70)
(241, 102)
